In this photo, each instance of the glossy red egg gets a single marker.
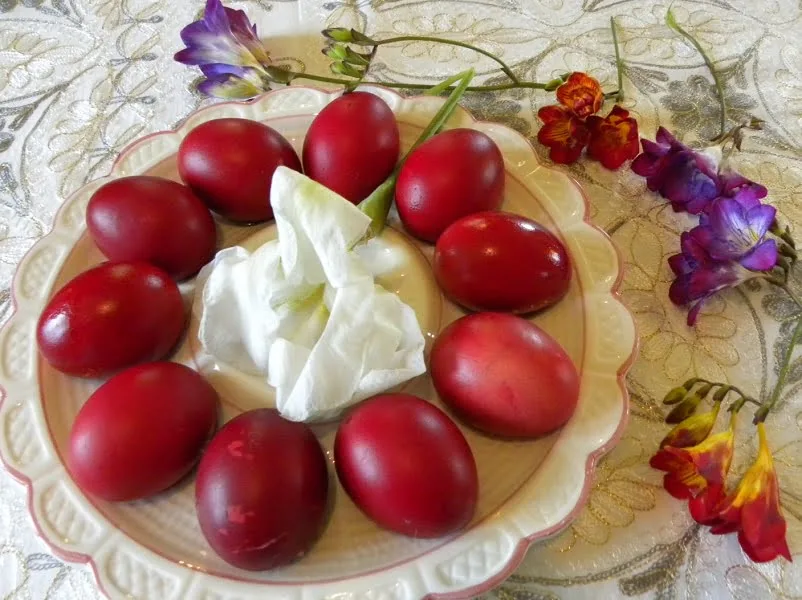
(407, 466)
(154, 220)
(504, 375)
(498, 261)
(456, 173)
(262, 491)
(142, 431)
(229, 163)
(110, 317)
(352, 145)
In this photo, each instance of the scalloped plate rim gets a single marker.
(515, 557)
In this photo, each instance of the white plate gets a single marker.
(154, 550)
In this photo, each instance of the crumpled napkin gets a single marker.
(304, 310)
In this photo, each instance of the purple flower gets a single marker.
(229, 81)
(735, 230)
(699, 276)
(735, 185)
(688, 179)
(225, 45)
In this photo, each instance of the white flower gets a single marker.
(304, 309)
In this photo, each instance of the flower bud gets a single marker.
(761, 414)
(357, 59)
(674, 396)
(703, 391)
(338, 34)
(721, 393)
(336, 52)
(348, 36)
(347, 70)
(553, 85)
(684, 409)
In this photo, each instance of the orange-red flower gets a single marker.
(753, 509)
(563, 133)
(613, 139)
(698, 471)
(692, 430)
(571, 125)
(581, 94)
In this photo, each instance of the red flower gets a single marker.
(753, 509)
(697, 472)
(614, 139)
(572, 124)
(581, 94)
(563, 133)
(704, 508)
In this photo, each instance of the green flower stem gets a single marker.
(425, 86)
(797, 300)
(732, 388)
(672, 23)
(422, 38)
(377, 205)
(619, 64)
(796, 336)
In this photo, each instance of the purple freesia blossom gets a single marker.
(229, 81)
(686, 178)
(699, 276)
(735, 185)
(225, 45)
(735, 230)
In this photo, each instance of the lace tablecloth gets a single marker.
(80, 79)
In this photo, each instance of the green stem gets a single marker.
(761, 415)
(422, 38)
(672, 23)
(422, 86)
(797, 300)
(732, 388)
(619, 65)
(377, 205)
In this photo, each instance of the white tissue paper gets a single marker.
(304, 310)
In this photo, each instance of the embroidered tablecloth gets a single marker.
(80, 79)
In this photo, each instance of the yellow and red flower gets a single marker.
(698, 471)
(753, 509)
(693, 430)
(613, 139)
(563, 132)
(571, 125)
(581, 94)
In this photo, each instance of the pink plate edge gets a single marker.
(525, 543)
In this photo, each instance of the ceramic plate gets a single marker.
(529, 490)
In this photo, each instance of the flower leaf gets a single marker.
(377, 205)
